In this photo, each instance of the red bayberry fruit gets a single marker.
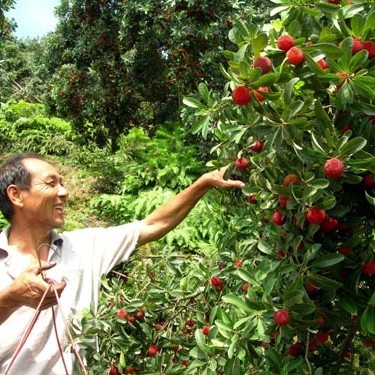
(241, 164)
(185, 363)
(329, 224)
(122, 314)
(113, 370)
(291, 179)
(369, 45)
(322, 63)
(152, 350)
(252, 198)
(369, 268)
(238, 263)
(206, 330)
(283, 200)
(264, 63)
(158, 326)
(190, 323)
(132, 319)
(140, 314)
(217, 283)
(357, 46)
(346, 250)
(369, 181)
(345, 128)
(280, 254)
(281, 317)
(322, 337)
(258, 93)
(315, 215)
(295, 56)
(241, 95)
(277, 217)
(257, 146)
(245, 287)
(285, 42)
(334, 1)
(333, 168)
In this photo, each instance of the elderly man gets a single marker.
(33, 199)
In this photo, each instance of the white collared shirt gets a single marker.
(82, 257)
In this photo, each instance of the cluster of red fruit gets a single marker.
(123, 314)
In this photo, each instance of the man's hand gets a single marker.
(27, 290)
(216, 179)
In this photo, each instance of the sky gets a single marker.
(35, 18)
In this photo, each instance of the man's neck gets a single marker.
(29, 241)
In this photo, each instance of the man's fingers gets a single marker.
(45, 267)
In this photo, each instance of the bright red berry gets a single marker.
(241, 164)
(122, 314)
(329, 224)
(280, 254)
(291, 179)
(369, 268)
(264, 63)
(285, 42)
(258, 93)
(152, 350)
(241, 95)
(217, 283)
(245, 287)
(323, 64)
(369, 45)
(333, 168)
(315, 215)
(281, 317)
(334, 1)
(295, 56)
(185, 363)
(206, 330)
(252, 198)
(257, 146)
(140, 314)
(132, 319)
(322, 337)
(190, 323)
(277, 218)
(357, 46)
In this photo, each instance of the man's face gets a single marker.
(44, 203)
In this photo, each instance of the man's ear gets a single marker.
(15, 195)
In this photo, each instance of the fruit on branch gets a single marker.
(285, 42)
(333, 168)
(295, 56)
(315, 215)
(241, 95)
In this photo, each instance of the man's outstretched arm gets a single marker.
(170, 214)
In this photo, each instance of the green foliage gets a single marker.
(24, 127)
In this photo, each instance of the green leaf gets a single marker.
(348, 305)
(358, 60)
(193, 103)
(259, 43)
(367, 320)
(370, 198)
(288, 92)
(357, 24)
(265, 248)
(202, 126)
(274, 358)
(237, 301)
(325, 282)
(233, 366)
(204, 92)
(353, 146)
(198, 353)
(327, 260)
(320, 183)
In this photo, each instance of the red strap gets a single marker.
(31, 326)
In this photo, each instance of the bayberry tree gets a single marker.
(316, 231)
(287, 283)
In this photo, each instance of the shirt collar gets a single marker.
(56, 241)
